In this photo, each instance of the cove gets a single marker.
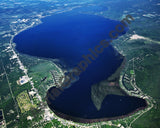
(68, 36)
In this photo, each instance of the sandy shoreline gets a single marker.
(82, 120)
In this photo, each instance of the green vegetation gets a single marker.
(144, 53)
(132, 72)
(24, 102)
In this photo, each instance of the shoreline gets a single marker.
(83, 120)
(26, 28)
(67, 116)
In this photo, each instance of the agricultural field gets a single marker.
(24, 102)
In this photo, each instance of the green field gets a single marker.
(24, 102)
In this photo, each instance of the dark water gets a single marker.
(67, 37)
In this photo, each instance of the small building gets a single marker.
(29, 118)
(23, 80)
(32, 93)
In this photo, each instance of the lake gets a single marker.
(68, 36)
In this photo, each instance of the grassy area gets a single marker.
(147, 67)
(24, 102)
(132, 72)
(42, 70)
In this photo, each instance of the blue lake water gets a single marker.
(67, 37)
